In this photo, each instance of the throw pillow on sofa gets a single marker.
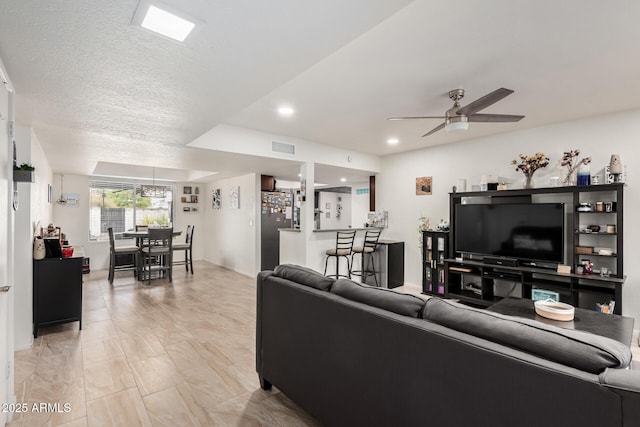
(581, 350)
(304, 276)
(406, 305)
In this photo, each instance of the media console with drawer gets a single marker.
(593, 227)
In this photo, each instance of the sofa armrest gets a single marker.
(626, 384)
(262, 276)
(622, 379)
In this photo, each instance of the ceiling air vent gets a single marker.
(281, 147)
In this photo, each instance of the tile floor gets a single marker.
(180, 354)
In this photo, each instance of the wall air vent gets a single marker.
(281, 147)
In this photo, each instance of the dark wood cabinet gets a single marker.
(267, 183)
(57, 291)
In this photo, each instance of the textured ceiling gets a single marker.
(97, 89)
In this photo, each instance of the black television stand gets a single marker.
(571, 287)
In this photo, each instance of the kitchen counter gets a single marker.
(347, 229)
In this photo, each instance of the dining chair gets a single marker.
(159, 248)
(116, 255)
(187, 247)
(366, 251)
(344, 243)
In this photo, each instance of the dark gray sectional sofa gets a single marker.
(353, 355)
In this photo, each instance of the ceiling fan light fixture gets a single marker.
(456, 124)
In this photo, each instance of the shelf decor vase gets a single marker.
(528, 182)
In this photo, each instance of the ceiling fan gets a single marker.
(457, 118)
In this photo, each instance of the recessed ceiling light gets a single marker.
(163, 20)
(392, 141)
(343, 179)
(286, 111)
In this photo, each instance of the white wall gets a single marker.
(330, 199)
(256, 143)
(231, 235)
(596, 137)
(33, 208)
(7, 299)
(182, 219)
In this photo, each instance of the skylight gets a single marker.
(156, 18)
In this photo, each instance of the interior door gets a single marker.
(6, 237)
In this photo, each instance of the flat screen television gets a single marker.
(527, 232)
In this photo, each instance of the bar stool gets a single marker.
(369, 247)
(114, 252)
(344, 243)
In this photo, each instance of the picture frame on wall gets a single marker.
(194, 199)
(234, 196)
(186, 190)
(424, 185)
(216, 199)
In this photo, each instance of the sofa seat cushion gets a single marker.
(580, 350)
(304, 276)
(406, 305)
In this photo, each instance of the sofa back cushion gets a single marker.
(304, 276)
(406, 305)
(580, 350)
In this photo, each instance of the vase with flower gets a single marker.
(569, 159)
(529, 164)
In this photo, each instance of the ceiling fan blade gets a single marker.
(417, 117)
(484, 102)
(434, 130)
(487, 118)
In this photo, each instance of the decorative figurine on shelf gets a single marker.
(529, 164)
(568, 161)
(588, 268)
(443, 225)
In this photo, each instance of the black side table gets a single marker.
(614, 326)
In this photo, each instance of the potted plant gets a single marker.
(24, 173)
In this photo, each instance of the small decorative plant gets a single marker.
(568, 158)
(424, 224)
(24, 167)
(529, 164)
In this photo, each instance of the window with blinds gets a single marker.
(122, 206)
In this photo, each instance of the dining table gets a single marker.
(140, 236)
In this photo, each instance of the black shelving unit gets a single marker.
(435, 249)
(576, 289)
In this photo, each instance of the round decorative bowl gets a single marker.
(554, 310)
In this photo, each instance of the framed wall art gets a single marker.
(423, 185)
